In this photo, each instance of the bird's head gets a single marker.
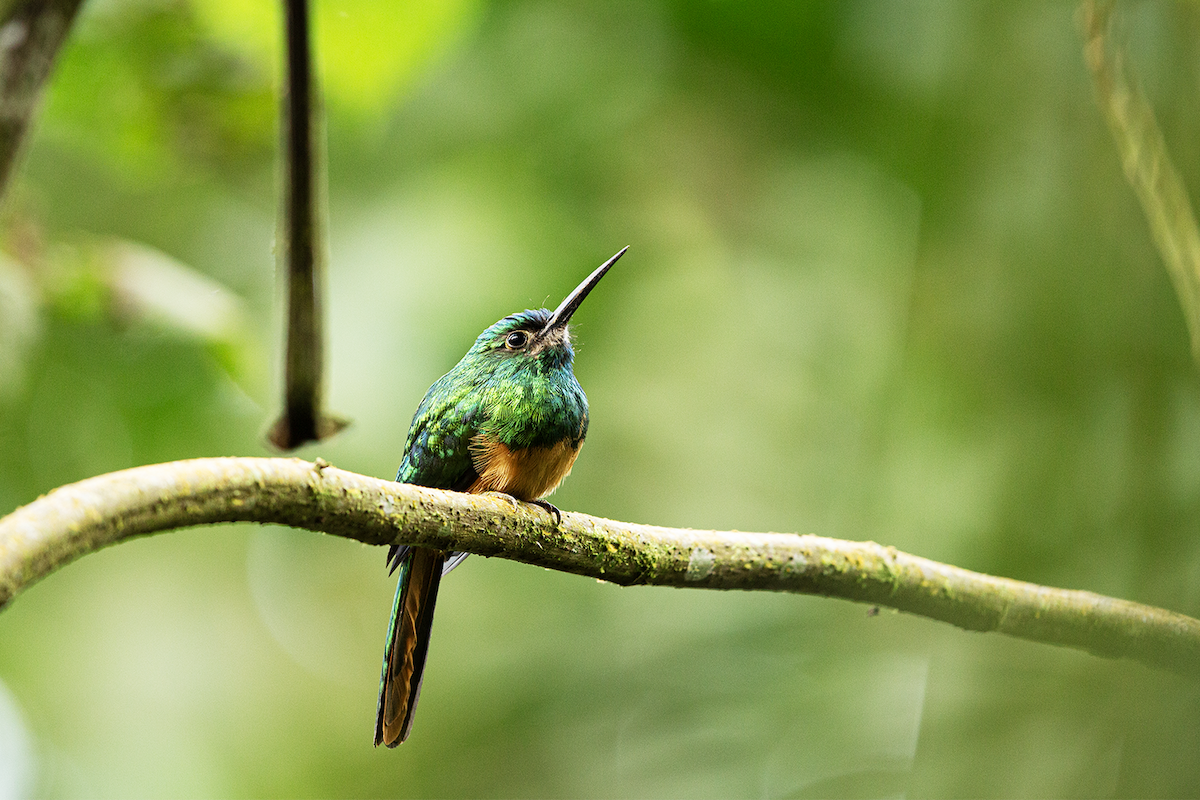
(536, 337)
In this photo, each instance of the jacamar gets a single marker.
(510, 418)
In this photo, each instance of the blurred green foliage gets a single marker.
(886, 282)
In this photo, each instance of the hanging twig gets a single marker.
(31, 34)
(303, 418)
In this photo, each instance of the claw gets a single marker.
(549, 507)
(504, 496)
(553, 509)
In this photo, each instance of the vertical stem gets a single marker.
(1147, 163)
(31, 34)
(302, 419)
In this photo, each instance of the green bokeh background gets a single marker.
(886, 282)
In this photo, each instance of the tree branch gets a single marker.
(86, 516)
(1146, 161)
(31, 33)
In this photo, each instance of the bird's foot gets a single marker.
(504, 496)
(550, 507)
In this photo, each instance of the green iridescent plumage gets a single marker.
(509, 417)
(514, 397)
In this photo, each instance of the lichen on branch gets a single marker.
(83, 517)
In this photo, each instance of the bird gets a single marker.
(508, 418)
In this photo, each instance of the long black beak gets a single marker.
(562, 314)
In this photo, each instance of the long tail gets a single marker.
(407, 644)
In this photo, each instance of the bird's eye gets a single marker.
(516, 340)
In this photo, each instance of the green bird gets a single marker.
(509, 417)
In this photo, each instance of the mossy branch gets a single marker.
(86, 516)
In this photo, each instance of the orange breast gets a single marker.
(528, 474)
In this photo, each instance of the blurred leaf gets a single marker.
(141, 87)
(368, 51)
(17, 762)
(371, 51)
(19, 322)
(148, 284)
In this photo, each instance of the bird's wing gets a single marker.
(437, 453)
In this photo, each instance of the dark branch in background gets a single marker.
(303, 417)
(83, 517)
(1146, 162)
(31, 34)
